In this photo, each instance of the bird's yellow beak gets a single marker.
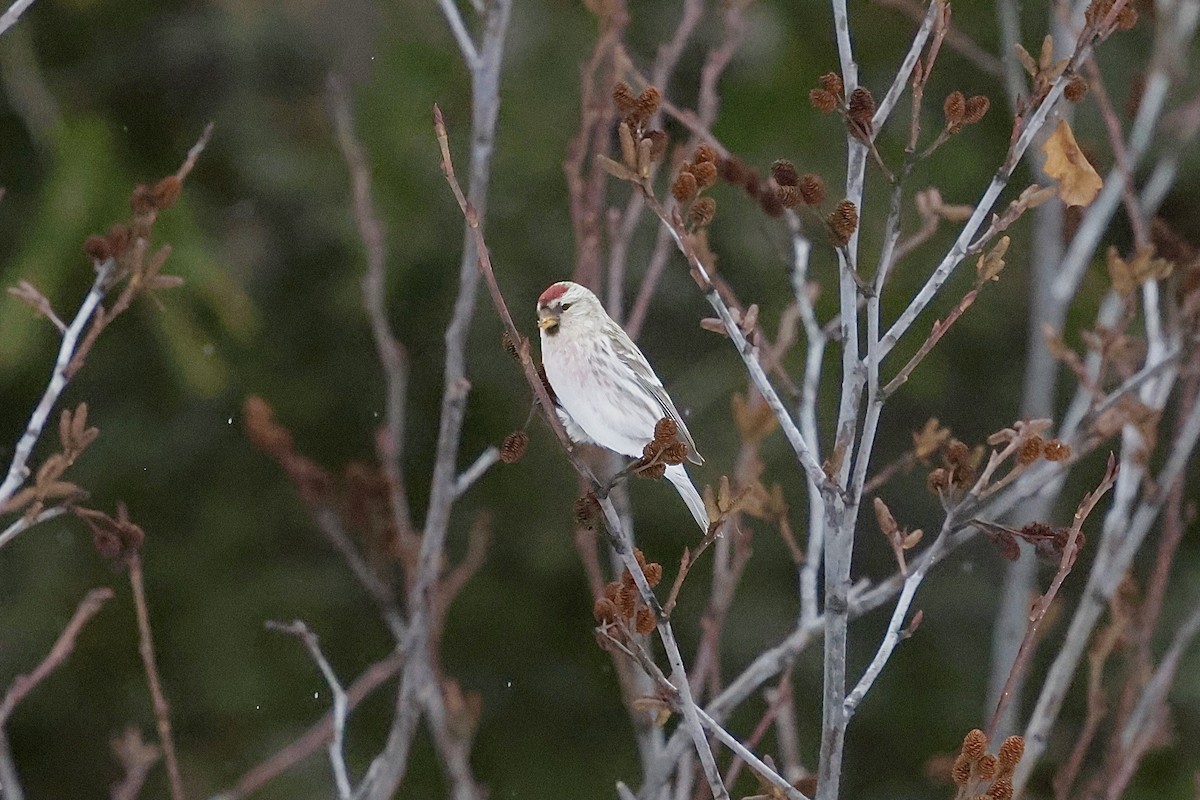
(548, 322)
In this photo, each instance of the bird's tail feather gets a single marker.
(678, 476)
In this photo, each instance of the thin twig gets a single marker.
(393, 356)
(318, 735)
(162, 711)
(22, 685)
(337, 759)
(25, 523)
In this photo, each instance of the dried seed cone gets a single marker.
(955, 108)
(977, 106)
(986, 766)
(705, 172)
(648, 102)
(812, 189)
(770, 204)
(1076, 89)
(604, 610)
(644, 623)
(653, 572)
(624, 98)
(789, 196)
(627, 601)
(822, 100)
(685, 187)
(974, 745)
(705, 154)
(832, 83)
(1057, 450)
(784, 173)
(1031, 451)
(862, 107)
(843, 222)
(960, 773)
(702, 212)
(514, 447)
(1010, 753)
(1002, 789)
(665, 430)
(97, 248)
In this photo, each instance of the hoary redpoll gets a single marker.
(608, 393)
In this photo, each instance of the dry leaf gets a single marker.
(1078, 181)
(992, 262)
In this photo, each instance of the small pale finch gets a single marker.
(607, 391)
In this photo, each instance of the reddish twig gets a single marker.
(22, 685)
(162, 711)
(1070, 552)
(393, 356)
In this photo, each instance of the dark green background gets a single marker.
(98, 96)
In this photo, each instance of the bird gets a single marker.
(608, 393)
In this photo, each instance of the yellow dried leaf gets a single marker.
(1078, 181)
(992, 262)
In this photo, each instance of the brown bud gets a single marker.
(665, 430)
(784, 173)
(612, 590)
(769, 202)
(1031, 450)
(702, 212)
(832, 83)
(97, 248)
(653, 572)
(977, 106)
(812, 189)
(843, 221)
(604, 610)
(648, 102)
(624, 98)
(705, 172)
(789, 196)
(822, 100)
(644, 623)
(1057, 450)
(514, 447)
(957, 452)
(658, 144)
(705, 154)
(587, 511)
(1076, 89)
(166, 192)
(685, 187)
(938, 481)
(733, 170)
(954, 107)
(862, 108)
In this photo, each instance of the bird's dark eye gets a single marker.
(565, 306)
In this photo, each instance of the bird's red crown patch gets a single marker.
(553, 293)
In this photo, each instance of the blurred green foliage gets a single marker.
(99, 96)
